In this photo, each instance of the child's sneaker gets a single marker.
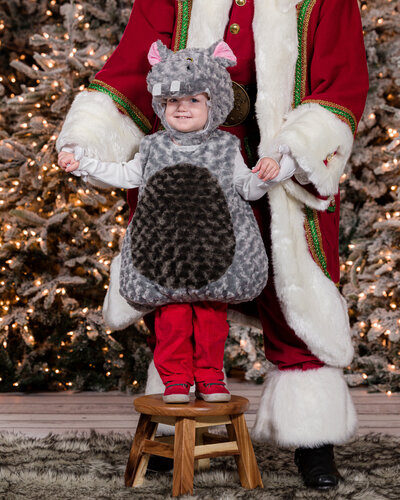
(212, 392)
(176, 393)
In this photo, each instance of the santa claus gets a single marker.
(300, 88)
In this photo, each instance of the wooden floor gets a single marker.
(41, 413)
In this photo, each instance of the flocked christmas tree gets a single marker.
(58, 236)
(370, 210)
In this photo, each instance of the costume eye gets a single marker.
(189, 59)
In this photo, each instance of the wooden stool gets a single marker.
(192, 440)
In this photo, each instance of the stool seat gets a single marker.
(154, 405)
(192, 444)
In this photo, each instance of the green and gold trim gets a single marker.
(314, 239)
(304, 10)
(182, 24)
(311, 225)
(123, 104)
(343, 113)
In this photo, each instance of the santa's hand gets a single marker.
(267, 169)
(67, 161)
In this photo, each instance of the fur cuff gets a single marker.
(306, 408)
(302, 195)
(312, 133)
(94, 123)
(117, 313)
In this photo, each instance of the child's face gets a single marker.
(187, 113)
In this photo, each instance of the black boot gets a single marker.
(317, 466)
(160, 464)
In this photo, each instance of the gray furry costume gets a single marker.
(192, 236)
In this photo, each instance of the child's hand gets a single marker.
(67, 161)
(267, 169)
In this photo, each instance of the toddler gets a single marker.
(193, 245)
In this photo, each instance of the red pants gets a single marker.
(190, 341)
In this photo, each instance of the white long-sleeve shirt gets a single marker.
(130, 174)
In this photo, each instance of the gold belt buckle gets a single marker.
(241, 106)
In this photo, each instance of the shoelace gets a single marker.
(212, 383)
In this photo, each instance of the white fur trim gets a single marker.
(311, 132)
(305, 408)
(94, 123)
(207, 22)
(154, 384)
(117, 313)
(302, 195)
(275, 38)
(310, 301)
(285, 5)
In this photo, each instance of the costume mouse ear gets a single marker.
(221, 51)
(157, 53)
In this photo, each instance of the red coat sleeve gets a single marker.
(331, 72)
(123, 77)
(337, 74)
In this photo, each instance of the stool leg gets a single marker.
(185, 430)
(145, 430)
(246, 462)
(143, 463)
(201, 463)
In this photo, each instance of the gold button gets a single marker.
(240, 2)
(330, 157)
(234, 28)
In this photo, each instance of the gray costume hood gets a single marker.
(191, 72)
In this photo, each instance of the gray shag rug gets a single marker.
(78, 466)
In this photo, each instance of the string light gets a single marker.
(392, 133)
